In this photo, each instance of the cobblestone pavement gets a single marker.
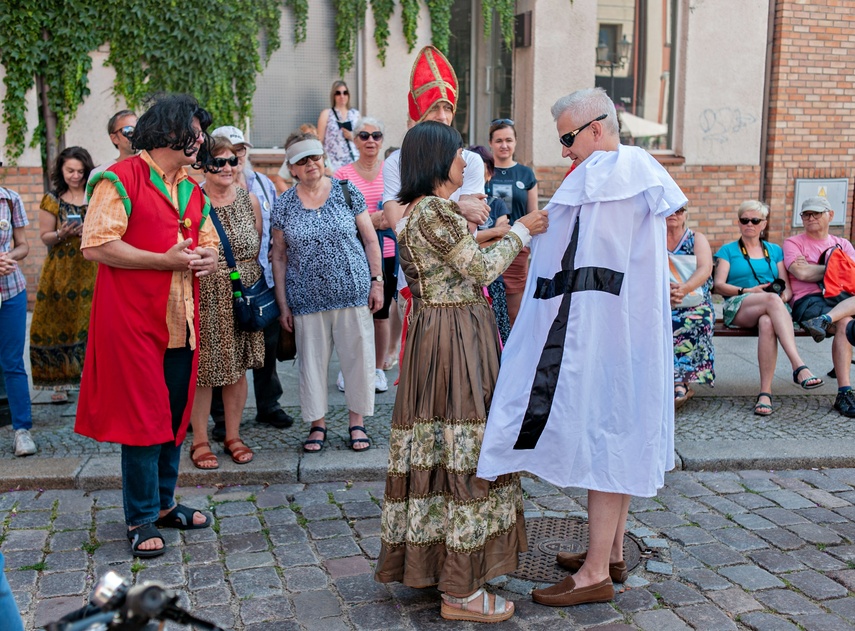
(761, 550)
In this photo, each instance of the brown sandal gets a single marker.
(237, 453)
(207, 457)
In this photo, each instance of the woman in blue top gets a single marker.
(744, 275)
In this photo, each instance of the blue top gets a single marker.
(265, 191)
(327, 268)
(740, 273)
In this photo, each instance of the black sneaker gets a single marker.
(845, 403)
(219, 431)
(817, 327)
(279, 419)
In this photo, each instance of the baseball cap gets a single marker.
(816, 204)
(233, 134)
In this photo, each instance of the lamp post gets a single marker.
(611, 60)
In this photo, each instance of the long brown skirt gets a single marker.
(441, 524)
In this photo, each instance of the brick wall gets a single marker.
(28, 183)
(812, 112)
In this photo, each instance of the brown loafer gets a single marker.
(617, 571)
(566, 594)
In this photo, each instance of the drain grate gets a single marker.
(547, 536)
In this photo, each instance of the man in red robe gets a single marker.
(147, 227)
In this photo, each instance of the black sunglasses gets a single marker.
(221, 162)
(304, 161)
(755, 220)
(127, 131)
(568, 138)
(364, 135)
(502, 121)
(340, 93)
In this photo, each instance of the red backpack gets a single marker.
(838, 282)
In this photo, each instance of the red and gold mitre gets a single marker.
(431, 80)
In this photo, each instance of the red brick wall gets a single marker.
(811, 114)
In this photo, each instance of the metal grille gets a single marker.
(547, 536)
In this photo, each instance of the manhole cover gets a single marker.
(547, 536)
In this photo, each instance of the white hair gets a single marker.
(367, 120)
(753, 204)
(588, 104)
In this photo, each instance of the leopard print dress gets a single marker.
(226, 352)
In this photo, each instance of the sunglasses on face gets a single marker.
(751, 220)
(127, 131)
(221, 162)
(341, 93)
(810, 215)
(502, 121)
(303, 161)
(364, 135)
(568, 138)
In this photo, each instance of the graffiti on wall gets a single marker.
(718, 125)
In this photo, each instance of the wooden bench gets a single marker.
(721, 330)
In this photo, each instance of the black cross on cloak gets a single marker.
(565, 283)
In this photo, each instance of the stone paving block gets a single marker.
(659, 620)
(361, 588)
(845, 530)
(198, 553)
(170, 575)
(367, 527)
(113, 531)
(246, 560)
(314, 512)
(706, 617)
(23, 600)
(107, 498)
(279, 625)
(825, 482)
(677, 503)
(72, 521)
(52, 609)
(723, 505)
(759, 621)
(256, 583)
(705, 580)
(275, 609)
(844, 577)
(311, 496)
(632, 600)
(712, 521)
(659, 567)
(780, 538)
(348, 566)
(847, 511)
(234, 509)
(220, 595)
(814, 533)
(594, 614)
(775, 561)
(782, 516)
(688, 535)
(236, 493)
(724, 486)
(816, 586)
(739, 539)
(345, 496)
(417, 598)
(110, 515)
(786, 601)
(753, 522)
(316, 605)
(305, 579)
(247, 542)
(735, 601)
(661, 519)
(271, 499)
(327, 529)
(788, 499)
(536, 488)
(686, 485)
(557, 503)
(21, 498)
(69, 501)
(110, 551)
(682, 560)
(371, 546)
(203, 576)
(337, 547)
(200, 536)
(360, 510)
(818, 560)
(287, 489)
(750, 577)
(62, 584)
(377, 617)
(636, 504)
(790, 480)
(243, 525)
(716, 555)
(758, 481)
(221, 615)
(846, 553)
(822, 622)
(66, 561)
(22, 558)
(822, 516)
(69, 540)
(287, 534)
(675, 593)
(751, 501)
(29, 519)
(845, 608)
(24, 540)
(295, 554)
(278, 516)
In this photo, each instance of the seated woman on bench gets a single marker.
(751, 276)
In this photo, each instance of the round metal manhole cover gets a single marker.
(547, 536)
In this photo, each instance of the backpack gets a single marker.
(838, 282)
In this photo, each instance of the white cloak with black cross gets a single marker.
(585, 391)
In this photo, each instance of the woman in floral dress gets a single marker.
(442, 525)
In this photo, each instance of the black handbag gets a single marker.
(254, 307)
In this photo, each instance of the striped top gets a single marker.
(373, 193)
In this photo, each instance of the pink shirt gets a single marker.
(812, 249)
(373, 193)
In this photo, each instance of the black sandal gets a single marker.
(181, 517)
(315, 441)
(763, 409)
(804, 383)
(142, 534)
(353, 441)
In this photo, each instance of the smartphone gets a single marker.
(74, 219)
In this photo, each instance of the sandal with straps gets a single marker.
(500, 611)
(315, 441)
(353, 441)
(804, 383)
(208, 457)
(763, 409)
(144, 533)
(237, 452)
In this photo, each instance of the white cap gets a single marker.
(816, 204)
(233, 134)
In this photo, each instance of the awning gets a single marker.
(637, 127)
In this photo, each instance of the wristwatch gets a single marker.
(741, 289)
(378, 279)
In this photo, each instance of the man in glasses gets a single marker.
(120, 128)
(584, 396)
(822, 317)
(266, 384)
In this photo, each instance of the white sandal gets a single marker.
(502, 609)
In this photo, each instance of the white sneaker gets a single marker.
(380, 383)
(24, 445)
(339, 382)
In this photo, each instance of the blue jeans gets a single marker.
(10, 617)
(149, 474)
(13, 324)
